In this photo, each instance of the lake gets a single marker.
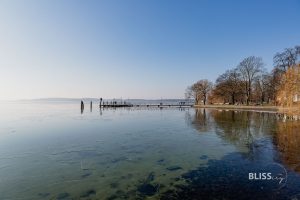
(53, 151)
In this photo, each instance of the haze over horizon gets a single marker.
(134, 49)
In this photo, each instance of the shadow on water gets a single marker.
(228, 178)
(272, 146)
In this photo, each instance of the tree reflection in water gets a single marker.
(201, 120)
(265, 136)
(287, 139)
(269, 143)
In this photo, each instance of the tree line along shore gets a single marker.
(250, 84)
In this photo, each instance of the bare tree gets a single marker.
(249, 82)
(297, 51)
(229, 85)
(282, 63)
(262, 88)
(286, 59)
(250, 68)
(199, 91)
(270, 86)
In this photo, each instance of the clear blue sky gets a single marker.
(134, 49)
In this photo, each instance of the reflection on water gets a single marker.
(200, 120)
(50, 151)
(287, 140)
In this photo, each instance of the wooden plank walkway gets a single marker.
(147, 105)
(115, 104)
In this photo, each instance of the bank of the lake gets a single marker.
(277, 109)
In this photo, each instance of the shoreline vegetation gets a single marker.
(250, 86)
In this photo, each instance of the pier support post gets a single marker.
(81, 106)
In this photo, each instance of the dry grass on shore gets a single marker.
(242, 107)
(294, 110)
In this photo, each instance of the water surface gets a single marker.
(53, 151)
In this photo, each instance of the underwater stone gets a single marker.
(112, 197)
(86, 175)
(177, 179)
(150, 177)
(129, 175)
(44, 194)
(203, 157)
(160, 161)
(88, 193)
(147, 189)
(62, 195)
(174, 168)
(114, 185)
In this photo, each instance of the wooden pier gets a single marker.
(146, 105)
(164, 105)
(115, 104)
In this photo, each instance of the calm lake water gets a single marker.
(53, 151)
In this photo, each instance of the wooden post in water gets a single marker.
(91, 106)
(81, 106)
(100, 102)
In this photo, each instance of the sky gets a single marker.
(148, 49)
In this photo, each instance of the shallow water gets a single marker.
(53, 151)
